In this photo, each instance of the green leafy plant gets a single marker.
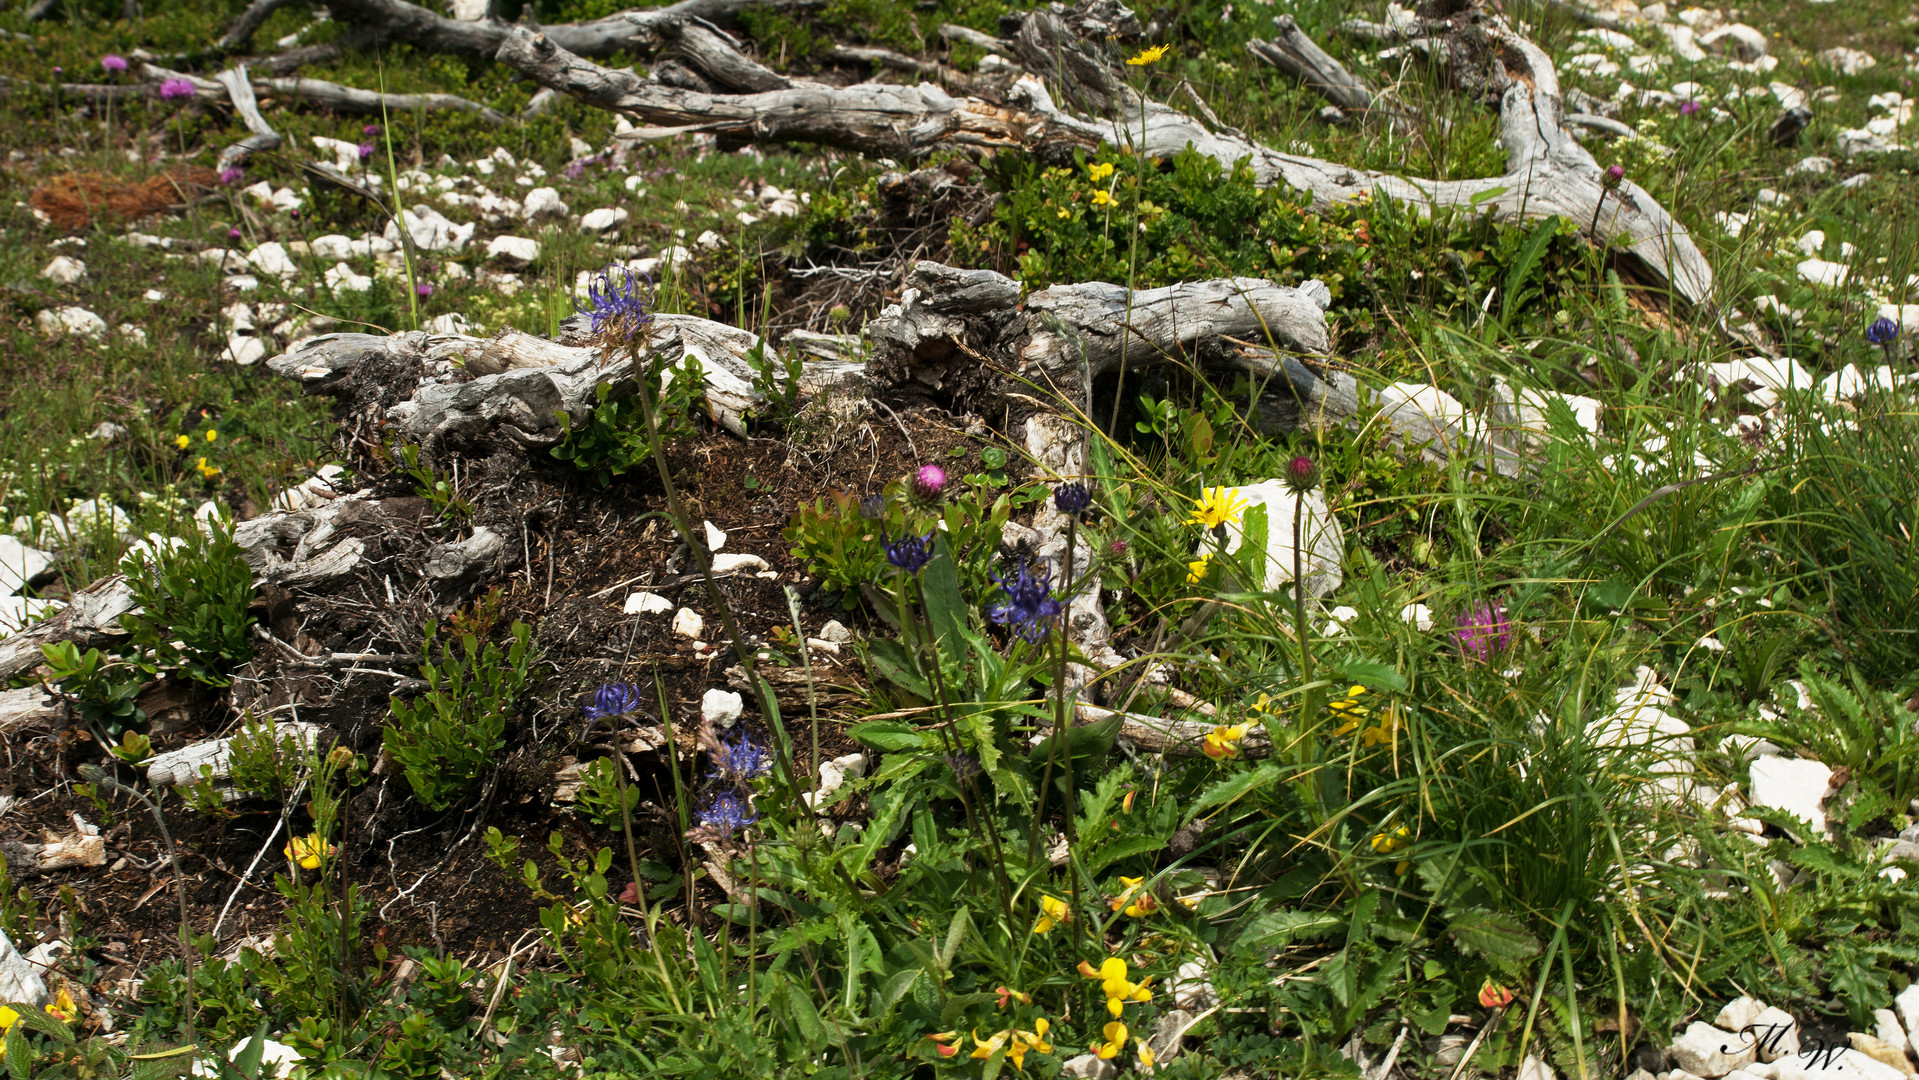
(613, 440)
(193, 594)
(102, 687)
(449, 506)
(448, 737)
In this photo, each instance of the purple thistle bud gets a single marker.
(366, 150)
(1687, 108)
(1072, 498)
(113, 63)
(370, 130)
(929, 482)
(613, 700)
(176, 90)
(423, 290)
(233, 234)
(1612, 177)
(1482, 630)
(910, 553)
(1882, 331)
(1302, 473)
(1025, 604)
(232, 174)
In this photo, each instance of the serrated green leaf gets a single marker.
(889, 735)
(1235, 787)
(1270, 930)
(1492, 935)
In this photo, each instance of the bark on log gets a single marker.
(348, 99)
(92, 613)
(1292, 52)
(634, 31)
(241, 32)
(1548, 173)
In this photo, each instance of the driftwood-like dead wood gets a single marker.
(248, 23)
(239, 91)
(633, 31)
(90, 614)
(348, 99)
(1299, 56)
(1548, 173)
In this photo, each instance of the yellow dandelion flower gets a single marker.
(1151, 55)
(1215, 507)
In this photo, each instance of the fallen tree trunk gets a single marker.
(1548, 173)
(633, 31)
(348, 99)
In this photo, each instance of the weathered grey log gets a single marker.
(348, 99)
(248, 23)
(1547, 172)
(82, 847)
(972, 37)
(26, 706)
(183, 766)
(239, 91)
(1292, 52)
(634, 31)
(1603, 124)
(91, 614)
(718, 57)
(470, 559)
(1183, 738)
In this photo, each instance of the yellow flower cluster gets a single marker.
(1196, 570)
(1114, 984)
(1223, 742)
(1134, 899)
(308, 851)
(1053, 912)
(1016, 1041)
(1355, 716)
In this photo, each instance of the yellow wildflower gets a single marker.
(183, 441)
(1215, 507)
(1113, 983)
(1223, 742)
(308, 851)
(1115, 1033)
(7, 1018)
(1053, 912)
(1016, 1042)
(1134, 899)
(944, 1041)
(207, 471)
(1100, 171)
(1350, 710)
(212, 435)
(1387, 843)
(1149, 55)
(1146, 1059)
(1064, 213)
(63, 1008)
(1196, 570)
(1100, 198)
(1006, 995)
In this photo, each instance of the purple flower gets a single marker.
(176, 90)
(113, 63)
(370, 130)
(618, 304)
(929, 482)
(1302, 473)
(741, 761)
(1687, 108)
(728, 813)
(873, 507)
(612, 700)
(1612, 177)
(233, 234)
(366, 150)
(1072, 498)
(423, 290)
(575, 168)
(1482, 630)
(910, 553)
(232, 174)
(1025, 603)
(1882, 331)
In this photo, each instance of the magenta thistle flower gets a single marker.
(176, 90)
(423, 290)
(232, 174)
(1482, 630)
(1688, 108)
(929, 482)
(233, 234)
(113, 63)
(1302, 473)
(1614, 175)
(370, 130)
(366, 150)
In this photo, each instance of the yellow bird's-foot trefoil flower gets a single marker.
(308, 851)
(1114, 984)
(1223, 742)
(1053, 912)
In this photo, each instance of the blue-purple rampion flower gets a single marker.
(613, 699)
(1482, 630)
(910, 553)
(873, 507)
(740, 761)
(1072, 498)
(618, 300)
(1025, 603)
(1882, 330)
(728, 813)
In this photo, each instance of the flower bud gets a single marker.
(1302, 474)
(929, 483)
(1611, 178)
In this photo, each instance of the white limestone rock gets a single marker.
(19, 564)
(1829, 275)
(734, 562)
(1710, 1052)
(1793, 785)
(514, 251)
(1323, 552)
(430, 230)
(1738, 42)
(1738, 1013)
(245, 349)
(1848, 61)
(647, 603)
(74, 321)
(605, 219)
(687, 623)
(65, 270)
(343, 278)
(543, 202)
(721, 708)
(18, 979)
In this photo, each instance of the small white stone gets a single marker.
(721, 708)
(1793, 785)
(1777, 1034)
(65, 270)
(1812, 243)
(1418, 615)
(19, 564)
(77, 321)
(1906, 1004)
(1535, 1069)
(710, 240)
(735, 561)
(1738, 1013)
(1708, 1051)
(1829, 275)
(245, 350)
(515, 251)
(715, 538)
(687, 623)
(605, 219)
(1086, 1066)
(1847, 61)
(648, 603)
(1338, 619)
(342, 278)
(836, 632)
(1887, 1029)
(1738, 41)
(543, 202)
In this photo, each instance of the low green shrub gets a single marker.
(447, 738)
(193, 593)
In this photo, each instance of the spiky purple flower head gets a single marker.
(114, 63)
(1025, 603)
(1882, 331)
(1612, 177)
(366, 150)
(234, 234)
(619, 302)
(1482, 630)
(370, 130)
(176, 90)
(423, 290)
(1687, 108)
(612, 700)
(910, 553)
(728, 813)
(1072, 498)
(873, 507)
(741, 761)
(929, 482)
(232, 174)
